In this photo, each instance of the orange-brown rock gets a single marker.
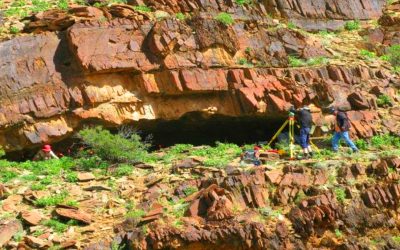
(74, 213)
(8, 230)
(116, 65)
(31, 217)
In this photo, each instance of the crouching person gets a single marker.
(46, 153)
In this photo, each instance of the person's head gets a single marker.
(46, 149)
(333, 111)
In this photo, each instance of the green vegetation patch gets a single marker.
(297, 62)
(225, 18)
(115, 148)
(142, 8)
(352, 25)
(52, 200)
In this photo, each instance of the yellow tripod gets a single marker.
(290, 121)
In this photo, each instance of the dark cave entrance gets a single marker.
(196, 129)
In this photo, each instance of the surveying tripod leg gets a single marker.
(278, 132)
(291, 138)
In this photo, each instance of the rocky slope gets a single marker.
(117, 64)
(331, 202)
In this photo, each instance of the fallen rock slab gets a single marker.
(36, 243)
(31, 217)
(85, 177)
(68, 244)
(75, 214)
(8, 230)
(97, 188)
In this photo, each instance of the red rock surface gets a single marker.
(117, 65)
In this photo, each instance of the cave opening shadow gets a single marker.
(197, 130)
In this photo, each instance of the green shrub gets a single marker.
(71, 177)
(37, 186)
(29, 177)
(14, 30)
(40, 5)
(56, 225)
(326, 33)
(190, 190)
(394, 55)
(180, 16)
(244, 62)
(18, 3)
(320, 60)
(2, 152)
(7, 175)
(225, 18)
(384, 101)
(62, 4)
(243, 2)
(396, 239)
(296, 62)
(386, 140)
(142, 8)
(220, 155)
(367, 54)
(340, 194)
(291, 25)
(352, 25)
(72, 203)
(135, 214)
(361, 144)
(91, 162)
(114, 148)
(123, 170)
(16, 12)
(51, 200)
(338, 233)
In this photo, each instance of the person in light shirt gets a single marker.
(46, 153)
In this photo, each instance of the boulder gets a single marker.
(8, 230)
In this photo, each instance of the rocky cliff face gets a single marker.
(115, 65)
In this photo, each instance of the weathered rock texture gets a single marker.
(116, 65)
(320, 14)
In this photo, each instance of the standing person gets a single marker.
(46, 153)
(304, 118)
(342, 127)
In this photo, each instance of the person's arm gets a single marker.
(53, 155)
(38, 156)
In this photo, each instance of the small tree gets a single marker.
(114, 148)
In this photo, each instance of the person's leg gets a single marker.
(303, 141)
(348, 141)
(335, 141)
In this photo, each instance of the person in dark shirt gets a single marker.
(342, 127)
(304, 118)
